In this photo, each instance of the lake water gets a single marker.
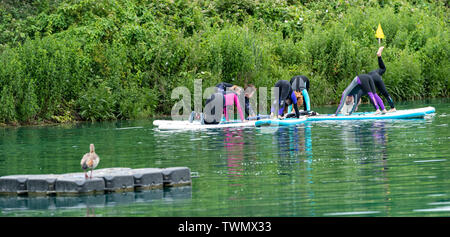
(363, 168)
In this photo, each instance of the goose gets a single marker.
(90, 161)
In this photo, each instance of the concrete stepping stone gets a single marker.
(76, 183)
(147, 178)
(103, 180)
(14, 184)
(116, 179)
(41, 184)
(176, 176)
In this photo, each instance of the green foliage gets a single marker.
(237, 55)
(7, 110)
(435, 65)
(405, 72)
(99, 60)
(97, 103)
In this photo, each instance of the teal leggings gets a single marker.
(306, 99)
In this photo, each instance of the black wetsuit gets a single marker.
(286, 92)
(376, 76)
(214, 108)
(361, 85)
(222, 87)
(301, 84)
(248, 107)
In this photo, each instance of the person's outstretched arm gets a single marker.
(306, 97)
(346, 92)
(294, 103)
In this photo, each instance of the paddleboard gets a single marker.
(167, 122)
(196, 125)
(280, 122)
(178, 123)
(399, 114)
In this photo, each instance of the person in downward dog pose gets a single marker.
(212, 115)
(300, 85)
(286, 96)
(378, 81)
(362, 85)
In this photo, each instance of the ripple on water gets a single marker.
(425, 161)
(351, 213)
(437, 209)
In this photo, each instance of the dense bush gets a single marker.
(99, 60)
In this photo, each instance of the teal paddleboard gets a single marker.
(400, 114)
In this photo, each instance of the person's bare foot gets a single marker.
(380, 50)
(378, 111)
(392, 110)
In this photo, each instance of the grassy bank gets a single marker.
(103, 59)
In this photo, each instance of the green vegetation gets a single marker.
(105, 59)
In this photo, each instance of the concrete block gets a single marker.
(104, 180)
(110, 170)
(76, 183)
(176, 176)
(13, 184)
(41, 184)
(147, 178)
(116, 179)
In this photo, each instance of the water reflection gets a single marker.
(234, 146)
(294, 147)
(295, 153)
(364, 141)
(364, 164)
(371, 168)
(92, 202)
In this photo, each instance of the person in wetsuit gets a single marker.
(218, 100)
(378, 81)
(222, 87)
(249, 91)
(300, 85)
(361, 85)
(286, 96)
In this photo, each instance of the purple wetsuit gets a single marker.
(361, 85)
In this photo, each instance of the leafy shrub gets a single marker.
(7, 110)
(237, 54)
(436, 66)
(97, 103)
(403, 76)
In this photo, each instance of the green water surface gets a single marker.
(354, 168)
